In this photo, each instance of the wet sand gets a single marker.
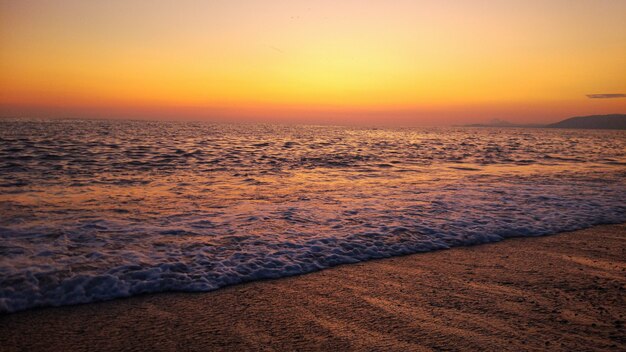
(561, 292)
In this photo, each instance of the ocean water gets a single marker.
(93, 210)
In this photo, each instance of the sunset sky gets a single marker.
(419, 62)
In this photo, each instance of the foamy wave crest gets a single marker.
(200, 265)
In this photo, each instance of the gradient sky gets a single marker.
(417, 62)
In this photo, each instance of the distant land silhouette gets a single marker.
(609, 122)
(597, 122)
(503, 123)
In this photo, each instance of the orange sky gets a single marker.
(375, 61)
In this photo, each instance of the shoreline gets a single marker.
(564, 291)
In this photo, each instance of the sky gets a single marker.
(376, 61)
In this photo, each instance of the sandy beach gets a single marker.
(561, 292)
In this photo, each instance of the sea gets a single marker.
(92, 210)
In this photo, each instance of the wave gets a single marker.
(181, 260)
(91, 211)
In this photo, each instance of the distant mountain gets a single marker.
(493, 123)
(501, 123)
(609, 122)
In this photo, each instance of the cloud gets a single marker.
(605, 96)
